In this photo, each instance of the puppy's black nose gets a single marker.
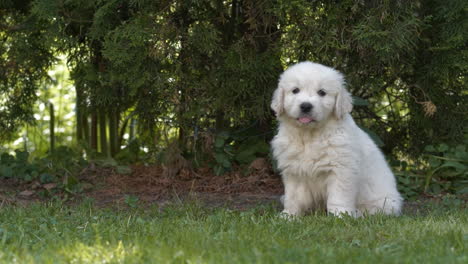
(306, 107)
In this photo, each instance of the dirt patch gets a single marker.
(15, 192)
(151, 185)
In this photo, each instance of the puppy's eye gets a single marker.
(321, 92)
(296, 90)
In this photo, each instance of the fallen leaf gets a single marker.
(35, 185)
(259, 164)
(87, 186)
(26, 193)
(49, 186)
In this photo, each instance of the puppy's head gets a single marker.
(310, 93)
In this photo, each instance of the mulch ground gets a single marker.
(237, 189)
(240, 189)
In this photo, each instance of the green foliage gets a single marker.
(443, 169)
(61, 166)
(358, 101)
(131, 200)
(410, 181)
(448, 169)
(35, 138)
(18, 166)
(109, 162)
(131, 154)
(24, 59)
(237, 148)
(203, 64)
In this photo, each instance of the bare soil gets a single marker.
(151, 185)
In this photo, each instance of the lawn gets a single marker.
(191, 233)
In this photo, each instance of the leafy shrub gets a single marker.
(237, 148)
(131, 154)
(61, 165)
(448, 169)
(17, 166)
(443, 169)
(410, 180)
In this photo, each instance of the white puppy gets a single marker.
(325, 159)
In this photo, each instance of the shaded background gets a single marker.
(188, 84)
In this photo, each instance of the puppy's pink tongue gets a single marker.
(305, 120)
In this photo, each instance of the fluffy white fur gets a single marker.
(325, 159)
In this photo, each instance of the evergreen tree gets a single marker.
(181, 67)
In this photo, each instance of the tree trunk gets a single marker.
(103, 133)
(52, 127)
(221, 122)
(79, 124)
(85, 126)
(132, 129)
(114, 117)
(94, 134)
(79, 116)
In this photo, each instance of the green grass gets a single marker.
(188, 233)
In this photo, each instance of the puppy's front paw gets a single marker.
(285, 214)
(342, 211)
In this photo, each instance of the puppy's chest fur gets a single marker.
(306, 155)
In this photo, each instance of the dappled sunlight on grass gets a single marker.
(98, 253)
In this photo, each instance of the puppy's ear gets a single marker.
(344, 102)
(277, 101)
